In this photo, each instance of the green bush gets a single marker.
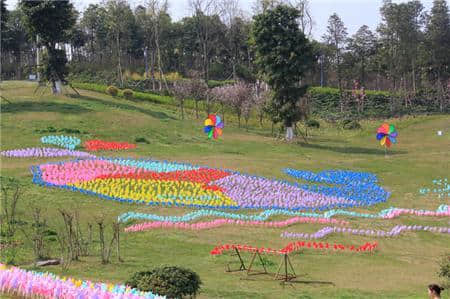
(170, 281)
(128, 94)
(112, 91)
(312, 123)
(351, 125)
(444, 268)
(141, 140)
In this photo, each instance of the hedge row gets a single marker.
(326, 103)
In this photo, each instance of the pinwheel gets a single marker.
(395, 231)
(387, 135)
(213, 126)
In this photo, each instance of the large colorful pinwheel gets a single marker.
(213, 126)
(387, 135)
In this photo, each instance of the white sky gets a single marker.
(354, 13)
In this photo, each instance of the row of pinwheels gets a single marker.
(295, 246)
(31, 284)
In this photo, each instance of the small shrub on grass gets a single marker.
(141, 140)
(444, 269)
(351, 125)
(128, 94)
(312, 123)
(112, 91)
(170, 281)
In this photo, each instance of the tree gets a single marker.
(283, 55)
(95, 25)
(182, 91)
(336, 36)
(52, 22)
(16, 40)
(362, 45)
(119, 19)
(401, 35)
(438, 40)
(3, 19)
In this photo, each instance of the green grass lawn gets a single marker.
(402, 267)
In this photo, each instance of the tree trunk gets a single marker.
(152, 69)
(182, 109)
(208, 106)
(289, 133)
(19, 65)
(119, 66)
(196, 109)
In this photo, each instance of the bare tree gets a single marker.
(202, 9)
(156, 9)
(10, 195)
(230, 12)
(105, 249)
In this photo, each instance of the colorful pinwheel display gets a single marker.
(441, 211)
(69, 142)
(295, 246)
(177, 184)
(30, 284)
(221, 222)
(44, 152)
(213, 126)
(395, 231)
(441, 188)
(98, 145)
(387, 134)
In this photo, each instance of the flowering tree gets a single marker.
(181, 90)
(219, 95)
(238, 96)
(261, 98)
(190, 89)
(198, 92)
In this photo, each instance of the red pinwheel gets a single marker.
(387, 135)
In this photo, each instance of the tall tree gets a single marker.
(52, 21)
(95, 25)
(3, 19)
(438, 40)
(336, 36)
(363, 44)
(400, 33)
(120, 19)
(283, 55)
(16, 39)
(203, 9)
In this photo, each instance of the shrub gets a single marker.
(170, 281)
(351, 125)
(112, 90)
(141, 140)
(312, 123)
(444, 268)
(128, 94)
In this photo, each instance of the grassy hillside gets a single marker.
(401, 268)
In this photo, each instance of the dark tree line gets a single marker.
(407, 52)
